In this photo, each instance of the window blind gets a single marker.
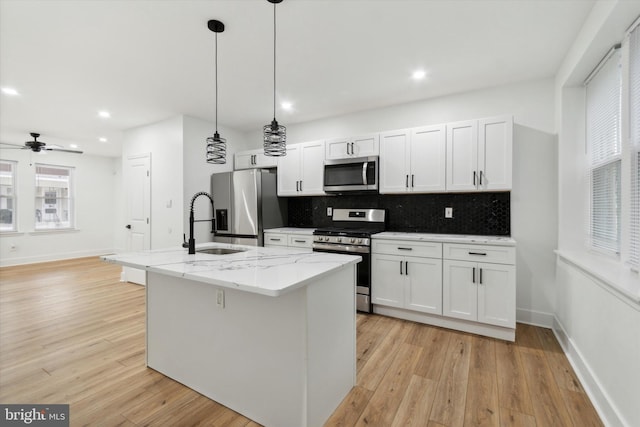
(604, 145)
(634, 141)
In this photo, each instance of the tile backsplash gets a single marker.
(473, 213)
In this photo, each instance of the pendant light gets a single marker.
(274, 135)
(216, 146)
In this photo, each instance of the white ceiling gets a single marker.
(147, 60)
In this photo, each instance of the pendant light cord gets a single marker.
(274, 61)
(216, 62)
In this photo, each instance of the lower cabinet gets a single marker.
(480, 292)
(300, 241)
(470, 287)
(407, 282)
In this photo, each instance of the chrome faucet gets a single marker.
(192, 242)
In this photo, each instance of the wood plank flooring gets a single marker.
(70, 332)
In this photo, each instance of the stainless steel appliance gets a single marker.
(245, 203)
(355, 174)
(351, 233)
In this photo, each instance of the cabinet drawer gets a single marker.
(480, 253)
(275, 239)
(407, 248)
(298, 241)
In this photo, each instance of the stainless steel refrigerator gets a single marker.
(245, 204)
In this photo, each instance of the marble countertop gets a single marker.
(266, 271)
(291, 230)
(447, 238)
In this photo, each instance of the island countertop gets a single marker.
(266, 271)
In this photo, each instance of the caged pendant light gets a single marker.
(274, 135)
(216, 146)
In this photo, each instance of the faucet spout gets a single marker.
(192, 240)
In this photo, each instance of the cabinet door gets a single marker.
(338, 148)
(275, 239)
(312, 168)
(262, 161)
(365, 145)
(387, 284)
(497, 294)
(423, 284)
(462, 156)
(459, 290)
(428, 159)
(394, 153)
(300, 241)
(243, 160)
(495, 151)
(289, 172)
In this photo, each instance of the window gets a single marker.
(634, 147)
(604, 90)
(54, 197)
(7, 195)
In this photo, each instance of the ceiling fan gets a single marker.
(38, 146)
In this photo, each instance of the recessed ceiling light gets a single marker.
(104, 114)
(102, 139)
(73, 145)
(286, 105)
(10, 91)
(419, 74)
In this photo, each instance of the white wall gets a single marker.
(533, 199)
(597, 327)
(95, 207)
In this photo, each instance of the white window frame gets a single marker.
(48, 213)
(13, 196)
(631, 84)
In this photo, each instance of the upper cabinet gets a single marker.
(413, 160)
(301, 171)
(252, 159)
(479, 155)
(356, 146)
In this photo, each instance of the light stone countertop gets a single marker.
(267, 271)
(446, 238)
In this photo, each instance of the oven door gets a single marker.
(363, 275)
(358, 174)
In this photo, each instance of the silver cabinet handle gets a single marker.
(478, 253)
(404, 249)
(300, 241)
(406, 268)
(480, 177)
(474, 178)
(300, 185)
(406, 181)
(365, 165)
(297, 185)
(473, 275)
(481, 276)
(353, 151)
(274, 240)
(412, 181)
(348, 148)
(400, 267)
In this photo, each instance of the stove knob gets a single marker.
(360, 241)
(339, 239)
(353, 240)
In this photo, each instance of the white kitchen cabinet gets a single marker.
(403, 281)
(479, 155)
(482, 291)
(355, 146)
(253, 159)
(301, 171)
(302, 240)
(413, 160)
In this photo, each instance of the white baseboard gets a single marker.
(8, 262)
(535, 318)
(598, 396)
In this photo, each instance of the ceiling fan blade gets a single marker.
(13, 146)
(64, 150)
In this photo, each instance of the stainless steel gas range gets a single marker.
(350, 233)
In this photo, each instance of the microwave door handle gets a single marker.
(365, 166)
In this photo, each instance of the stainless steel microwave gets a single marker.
(352, 174)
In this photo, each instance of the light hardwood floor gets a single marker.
(70, 332)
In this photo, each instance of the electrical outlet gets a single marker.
(448, 212)
(220, 298)
(13, 247)
(329, 211)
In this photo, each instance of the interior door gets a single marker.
(138, 208)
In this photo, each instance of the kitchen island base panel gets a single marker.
(280, 361)
(499, 332)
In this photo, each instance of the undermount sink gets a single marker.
(219, 251)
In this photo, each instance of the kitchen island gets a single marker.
(267, 332)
